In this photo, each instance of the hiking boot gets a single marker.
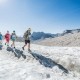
(7, 45)
(23, 48)
(29, 50)
(11, 45)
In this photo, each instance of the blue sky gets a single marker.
(50, 16)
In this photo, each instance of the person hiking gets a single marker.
(13, 38)
(1, 37)
(7, 38)
(26, 36)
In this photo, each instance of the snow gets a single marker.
(12, 68)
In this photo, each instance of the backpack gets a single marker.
(13, 36)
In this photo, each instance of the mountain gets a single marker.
(71, 38)
(20, 39)
(71, 31)
(37, 36)
(41, 35)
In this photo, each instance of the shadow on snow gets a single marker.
(18, 53)
(47, 62)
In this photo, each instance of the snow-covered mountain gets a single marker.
(41, 35)
(20, 39)
(73, 31)
(37, 36)
(45, 63)
(68, 38)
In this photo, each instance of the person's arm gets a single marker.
(9, 36)
(30, 33)
(5, 36)
(25, 35)
(16, 36)
(2, 36)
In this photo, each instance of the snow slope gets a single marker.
(12, 68)
(66, 40)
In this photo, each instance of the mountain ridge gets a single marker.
(42, 36)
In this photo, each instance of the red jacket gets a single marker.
(7, 36)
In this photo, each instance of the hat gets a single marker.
(13, 31)
(7, 31)
(29, 29)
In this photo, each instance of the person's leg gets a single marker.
(1, 45)
(13, 43)
(29, 50)
(0, 42)
(29, 45)
(7, 42)
(25, 44)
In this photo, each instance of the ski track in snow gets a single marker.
(12, 68)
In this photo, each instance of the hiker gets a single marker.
(26, 36)
(13, 38)
(7, 38)
(1, 37)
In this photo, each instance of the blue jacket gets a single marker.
(1, 37)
